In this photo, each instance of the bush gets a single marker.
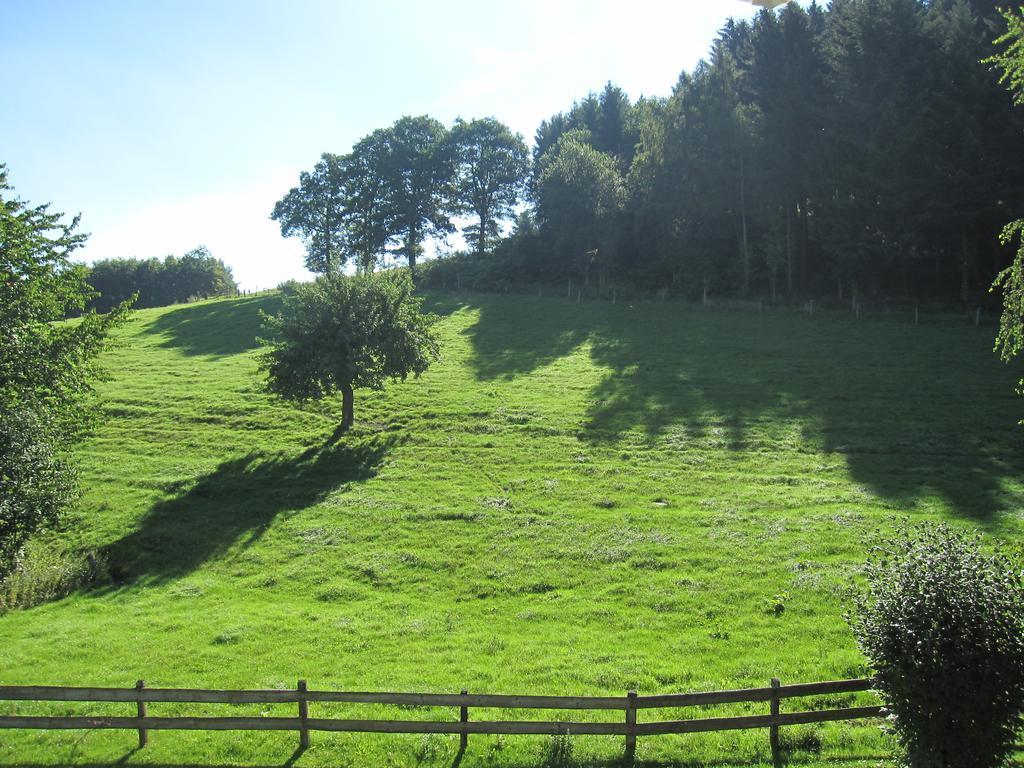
(37, 482)
(45, 575)
(559, 752)
(942, 624)
(46, 367)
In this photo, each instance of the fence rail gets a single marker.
(630, 705)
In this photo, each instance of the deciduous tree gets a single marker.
(491, 163)
(580, 194)
(419, 173)
(46, 366)
(314, 212)
(341, 333)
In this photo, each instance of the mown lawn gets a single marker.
(577, 499)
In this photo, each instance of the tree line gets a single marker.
(866, 148)
(400, 186)
(158, 283)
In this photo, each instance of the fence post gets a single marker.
(303, 716)
(630, 726)
(464, 718)
(143, 733)
(773, 731)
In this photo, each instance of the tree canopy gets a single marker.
(314, 212)
(581, 190)
(491, 164)
(341, 333)
(46, 366)
(156, 283)
(863, 149)
(858, 149)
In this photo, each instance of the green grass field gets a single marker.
(576, 499)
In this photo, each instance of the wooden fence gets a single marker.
(630, 726)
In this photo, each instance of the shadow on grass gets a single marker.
(215, 328)
(235, 504)
(442, 304)
(914, 411)
(515, 336)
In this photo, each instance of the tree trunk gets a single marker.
(804, 238)
(347, 407)
(412, 242)
(789, 251)
(481, 237)
(965, 291)
(745, 254)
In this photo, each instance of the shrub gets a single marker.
(45, 575)
(559, 753)
(38, 484)
(942, 624)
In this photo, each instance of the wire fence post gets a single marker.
(630, 726)
(464, 718)
(773, 731)
(143, 733)
(303, 716)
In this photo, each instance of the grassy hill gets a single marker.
(576, 499)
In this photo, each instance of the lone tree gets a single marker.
(342, 333)
(45, 366)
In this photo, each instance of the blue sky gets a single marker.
(169, 124)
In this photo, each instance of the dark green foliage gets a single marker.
(342, 333)
(863, 149)
(155, 283)
(368, 221)
(491, 165)
(38, 484)
(314, 212)
(418, 166)
(45, 367)
(580, 193)
(942, 624)
(393, 190)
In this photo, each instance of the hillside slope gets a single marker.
(575, 499)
